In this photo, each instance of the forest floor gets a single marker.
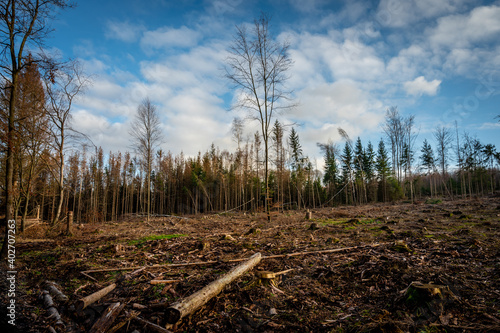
(427, 267)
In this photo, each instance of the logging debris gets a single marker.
(354, 288)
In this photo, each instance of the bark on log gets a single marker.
(107, 318)
(192, 303)
(46, 299)
(58, 295)
(49, 305)
(86, 301)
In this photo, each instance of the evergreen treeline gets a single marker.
(103, 187)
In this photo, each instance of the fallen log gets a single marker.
(107, 318)
(86, 301)
(49, 305)
(181, 308)
(54, 290)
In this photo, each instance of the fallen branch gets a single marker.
(129, 317)
(107, 318)
(152, 327)
(180, 309)
(163, 281)
(317, 252)
(227, 211)
(86, 301)
(133, 274)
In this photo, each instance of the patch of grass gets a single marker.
(141, 241)
(325, 222)
(30, 254)
(431, 201)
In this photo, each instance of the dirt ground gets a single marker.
(427, 267)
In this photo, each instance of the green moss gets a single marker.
(141, 241)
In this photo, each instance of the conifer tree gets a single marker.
(347, 162)
(383, 168)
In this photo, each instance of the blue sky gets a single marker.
(437, 60)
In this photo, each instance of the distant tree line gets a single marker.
(104, 187)
(48, 167)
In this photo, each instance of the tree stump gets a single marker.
(428, 300)
(69, 223)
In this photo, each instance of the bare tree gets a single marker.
(257, 65)
(400, 132)
(443, 138)
(147, 136)
(393, 129)
(409, 137)
(23, 24)
(62, 86)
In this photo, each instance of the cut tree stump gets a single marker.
(86, 301)
(180, 309)
(107, 318)
(69, 224)
(428, 297)
(270, 279)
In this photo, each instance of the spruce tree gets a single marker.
(427, 157)
(383, 168)
(347, 161)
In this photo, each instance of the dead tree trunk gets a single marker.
(86, 301)
(69, 224)
(192, 303)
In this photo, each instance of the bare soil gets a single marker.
(452, 248)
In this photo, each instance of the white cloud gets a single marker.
(167, 37)
(339, 103)
(335, 57)
(398, 14)
(124, 31)
(482, 24)
(103, 133)
(490, 126)
(345, 72)
(421, 86)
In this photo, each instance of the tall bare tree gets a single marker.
(62, 86)
(23, 24)
(258, 65)
(146, 135)
(443, 138)
(394, 131)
